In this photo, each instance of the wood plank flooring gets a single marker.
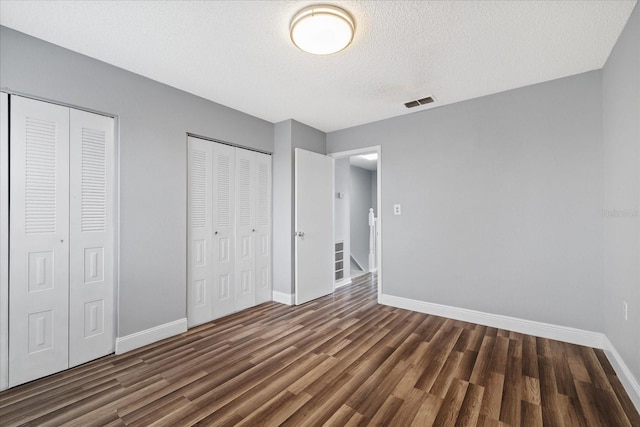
(342, 360)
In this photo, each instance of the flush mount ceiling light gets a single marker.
(322, 29)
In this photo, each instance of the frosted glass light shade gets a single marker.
(322, 30)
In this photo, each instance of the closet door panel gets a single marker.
(39, 230)
(245, 229)
(263, 227)
(200, 231)
(4, 240)
(224, 230)
(91, 282)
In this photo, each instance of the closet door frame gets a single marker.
(5, 95)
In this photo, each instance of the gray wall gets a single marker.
(282, 206)
(501, 202)
(342, 226)
(621, 138)
(360, 203)
(288, 135)
(153, 122)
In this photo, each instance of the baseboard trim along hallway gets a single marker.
(149, 336)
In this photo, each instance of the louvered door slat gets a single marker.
(200, 232)
(245, 261)
(39, 221)
(91, 291)
(199, 181)
(223, 274)
(239, 256)
(263, 228)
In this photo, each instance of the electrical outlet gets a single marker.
(397, 210)
(625, 310)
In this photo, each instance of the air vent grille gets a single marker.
(417, 102)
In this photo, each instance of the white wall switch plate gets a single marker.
(397, 210)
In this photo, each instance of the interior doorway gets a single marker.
(357, 214)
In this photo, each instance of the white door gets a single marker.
(39, 230)
(313, 226)
(4, 240)
(91, 282)
(245, 262)
(263, 227)
(200, 231)
(223, 230)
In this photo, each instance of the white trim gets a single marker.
(341, 283)
(629, 382)
(529, 327)
(149, 336)
(4, 241)
(116, 228)
(283, 298)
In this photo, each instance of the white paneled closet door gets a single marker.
(263, 227)
(39, 229)
(91, 290)
(229, 231)
(224, 230)
(61, 255)
(200, 231)
(245, 262)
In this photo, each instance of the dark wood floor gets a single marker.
(340, 360)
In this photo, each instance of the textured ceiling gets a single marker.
(238, 53)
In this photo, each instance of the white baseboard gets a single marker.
(283, 298)
(343, 282)
(149, 336)
(627, 379)
(545, 330)
(530, 327)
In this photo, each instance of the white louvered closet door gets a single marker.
(229, 230)
(91, 284)
(200, 231)
(39, 230)
(245, 262)
(263, 227)
(224, 230)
